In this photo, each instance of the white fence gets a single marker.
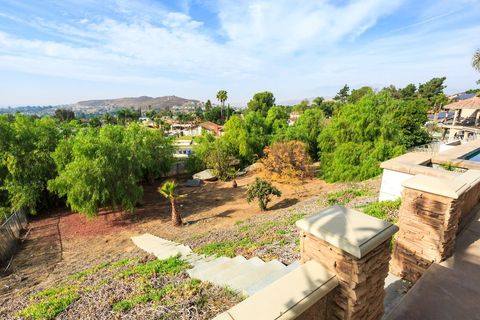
(10, 232)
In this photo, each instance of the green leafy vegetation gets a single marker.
(168, 266)
(345, 196)
(385, 210)
(50, 302)
(449, 166)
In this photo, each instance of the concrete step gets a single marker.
(224, 278)
(216, 274)
(270, 278)
(203, 268)
(159, 247)
(251, 277)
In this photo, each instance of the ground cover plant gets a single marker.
(142, 287)
(385, 210)
(344, 197)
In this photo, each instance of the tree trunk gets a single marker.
(176, 218)
(435, 117)
(221, 113)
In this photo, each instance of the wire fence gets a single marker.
(10, 232)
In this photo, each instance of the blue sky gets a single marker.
(54, 52)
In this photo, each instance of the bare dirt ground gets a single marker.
(61, 243)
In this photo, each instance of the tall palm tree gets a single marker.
(222, 96)
(476, 60)
(169, 191)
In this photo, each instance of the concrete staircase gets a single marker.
(243, 275)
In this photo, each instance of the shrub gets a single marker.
(262, 190)
(286, 161)
(385, 210)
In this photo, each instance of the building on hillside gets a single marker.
(183, 148)
(293, 117)
(211, 127)
(465, 123)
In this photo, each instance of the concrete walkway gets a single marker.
(448, 290)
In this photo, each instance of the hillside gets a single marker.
(140, 102)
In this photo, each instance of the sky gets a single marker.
(64, 51)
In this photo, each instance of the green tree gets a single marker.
(169, 191)
(432, 91)
(247, 137)
(150, 149)
(96, 169)
(343, 94)
(368, 132)
(302, 106)
(208, 105)
(64, 114)
(307, 129)
(357, 94)
(262, 191)
(222, 96)
(26, 163)
(431, 88)
(317, 102)
(409, 92)
(277, 122)
(261, 102)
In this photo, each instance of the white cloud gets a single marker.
(294, 49)
(288, 26)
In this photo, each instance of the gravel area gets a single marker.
(100, 288)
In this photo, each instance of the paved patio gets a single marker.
(448, 290)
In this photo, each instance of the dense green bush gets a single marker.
(376, 128)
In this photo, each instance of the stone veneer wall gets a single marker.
(469, 200)
(360, 293)
(428, 226)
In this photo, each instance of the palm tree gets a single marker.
(476, 60)
(169, 191)
(222, 96)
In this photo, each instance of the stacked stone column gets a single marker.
(428, 221)
(356, 248)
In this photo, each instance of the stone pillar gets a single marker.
(455, 116)
(355, 247)
(428, 221)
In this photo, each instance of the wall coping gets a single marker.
(347, 229)
(287, 297)
(450, 188)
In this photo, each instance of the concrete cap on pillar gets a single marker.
(347, 229)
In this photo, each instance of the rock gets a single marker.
(205, 175)
(193, 183)
(253, 167)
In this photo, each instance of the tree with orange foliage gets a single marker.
(287, 162)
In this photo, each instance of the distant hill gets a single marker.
(159, 103)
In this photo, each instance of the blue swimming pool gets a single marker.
(474, 156)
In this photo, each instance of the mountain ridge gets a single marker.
(164, 102)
